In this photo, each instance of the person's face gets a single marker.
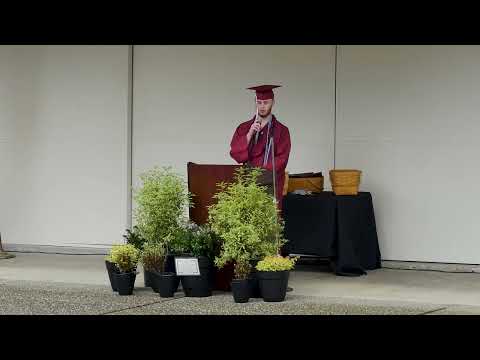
(265, 107)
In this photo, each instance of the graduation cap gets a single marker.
(264, 92)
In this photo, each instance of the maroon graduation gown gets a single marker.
(239, 150)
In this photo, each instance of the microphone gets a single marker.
(257, 120)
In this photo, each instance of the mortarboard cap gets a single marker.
(264, 92)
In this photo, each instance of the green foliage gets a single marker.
(153, 256)
(246, 220)
(134, 238)
(204, 242)
(180, 241)
(276, 263)
(195, 240)
(125, 257)
(161, 203)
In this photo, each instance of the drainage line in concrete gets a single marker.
(432, 311)
(140, 306)
(443, 271)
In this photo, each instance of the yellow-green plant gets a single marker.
(276, 263)
(246, 220)
(125, 257)
(153, 256)
(160, 203)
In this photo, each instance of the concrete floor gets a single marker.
(61, 280)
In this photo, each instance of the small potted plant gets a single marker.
(241, 284)
(273, 273)
(153, 258)
(134, 238)
(161, 203)
(125, 258)
(201, 243)
(111, 269)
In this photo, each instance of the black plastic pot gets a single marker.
(241, 290)
(254, 286)
(253, 282)
(111, 269)
(273, 285)
(166, 283)
(147, 278)
(170, 263)
(125, 282)
(196, 286)
(200, 285)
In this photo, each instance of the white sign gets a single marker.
(187, 266)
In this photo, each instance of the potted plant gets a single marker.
(125, 258)
(153, 259)
(238, 247)
(245, 218)
(201, 243)
(273, 273)
(111, 269)
(134, 238)
(161, 204)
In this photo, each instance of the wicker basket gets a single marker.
(345, 181)
(313, 184)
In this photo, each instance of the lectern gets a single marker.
(202, 183)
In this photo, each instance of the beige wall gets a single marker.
(63, 144)
(408, 117)
(189, 100)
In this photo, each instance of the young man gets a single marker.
(252, 141)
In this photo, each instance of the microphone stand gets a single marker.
(274, 172)
(275, 194)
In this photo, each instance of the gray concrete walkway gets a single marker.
(72, 284)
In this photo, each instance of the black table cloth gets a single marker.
(341, 228)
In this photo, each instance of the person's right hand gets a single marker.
(253, 129)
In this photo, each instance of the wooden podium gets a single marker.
(202, 183)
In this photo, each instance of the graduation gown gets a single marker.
(253, 153)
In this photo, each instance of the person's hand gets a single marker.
(256, 127)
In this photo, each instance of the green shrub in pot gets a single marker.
(153, 258)
(273, 273)
(161, 203)
(125, 257)
(245, 218)
(111, 270)
(200, 242)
